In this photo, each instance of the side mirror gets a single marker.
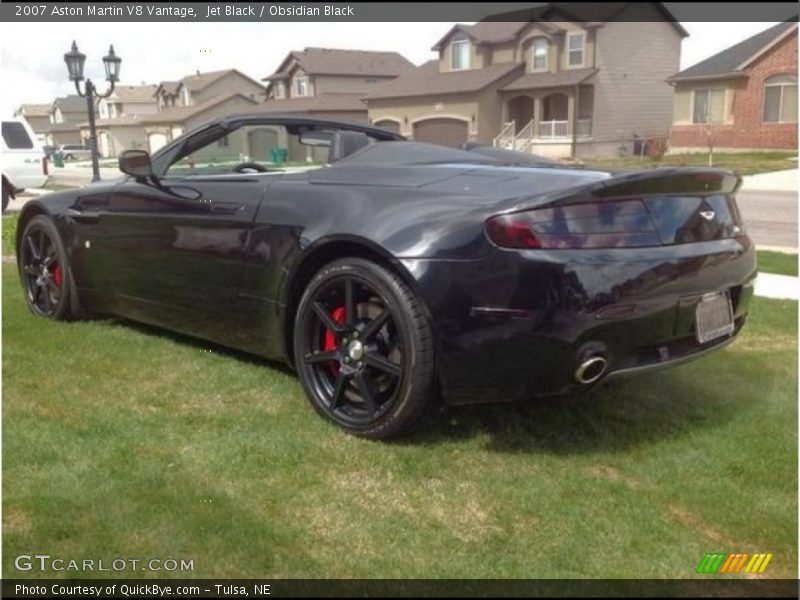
(136, 163)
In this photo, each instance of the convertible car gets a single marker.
(394, 275)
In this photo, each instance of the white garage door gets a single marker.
(156, 141)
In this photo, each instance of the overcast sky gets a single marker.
(32, 69)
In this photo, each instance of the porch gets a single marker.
(547, 122)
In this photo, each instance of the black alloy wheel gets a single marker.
(44, 269)
(364, 350)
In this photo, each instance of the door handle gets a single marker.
(84, 217)
(225, 207)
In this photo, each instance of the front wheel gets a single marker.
(364, 349)
(44, 269)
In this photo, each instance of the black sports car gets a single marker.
(392, 274)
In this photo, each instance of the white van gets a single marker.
(22, 158)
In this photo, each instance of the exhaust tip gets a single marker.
(591, 369)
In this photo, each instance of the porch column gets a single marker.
(570, 114)
(537, 114)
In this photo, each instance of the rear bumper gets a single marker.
(541, 312)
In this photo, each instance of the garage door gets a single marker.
(393, 126)
(446, 132)
(156, 141)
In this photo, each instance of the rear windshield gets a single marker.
(15, 136)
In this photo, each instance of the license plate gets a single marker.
(713, 317)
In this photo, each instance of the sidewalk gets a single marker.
(770, 285)
(776, 181)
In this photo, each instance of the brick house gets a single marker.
(744, 97)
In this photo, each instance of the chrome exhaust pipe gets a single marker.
(591, 369)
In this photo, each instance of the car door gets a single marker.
(169, 251)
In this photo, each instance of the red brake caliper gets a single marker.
(57, 274)
(329, 343)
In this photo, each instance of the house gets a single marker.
(66, 115)
(743, 98)
(118, 126)
(557, 83)
(184, 104)
(330, 82)
(163, 127)
(38, 117)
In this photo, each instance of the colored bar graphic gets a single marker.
(710, 563)
(733, 563)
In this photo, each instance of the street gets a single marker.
(770, 217)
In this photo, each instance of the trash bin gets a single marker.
(58, 159)
(273, 155)
(282, 154)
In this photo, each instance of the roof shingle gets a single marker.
(331, 61)
(533, 81)
(730, 60)
(426, 80)
(180, 114)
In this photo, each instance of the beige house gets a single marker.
(330, 82)
(118, 125)
(555, 85)
(37, 116)
(66, 115)
(163, 127)
(184, 104)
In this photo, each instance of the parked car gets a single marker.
(400, 273)
(24, 161)
(75, 152)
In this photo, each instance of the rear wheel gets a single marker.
(44, 269)
(364, 349)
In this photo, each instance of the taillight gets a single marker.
(608, 224)
(45, 170)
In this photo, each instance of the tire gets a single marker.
(68, 157)
(364, 350)
(44, 269)
(6, 196)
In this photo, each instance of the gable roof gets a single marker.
(134, 93)
(179, 114)
(333, 61)
(35, 110)
(169, 87)
(505, 27)
(426, 80)
(733, 61)
(73, 103)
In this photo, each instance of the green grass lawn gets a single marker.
(777, 262)
(122, 441)
(744, 163)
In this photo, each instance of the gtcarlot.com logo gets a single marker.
(45, 562)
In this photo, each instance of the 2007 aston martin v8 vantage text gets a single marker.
(392, 274)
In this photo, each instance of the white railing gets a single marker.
(553, 129)
(505, 139)
(524, 139)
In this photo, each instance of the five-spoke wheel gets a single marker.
(363, 348)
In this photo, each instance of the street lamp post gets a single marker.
(75, 61)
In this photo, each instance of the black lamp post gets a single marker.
(75, 61)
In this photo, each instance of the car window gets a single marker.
(15, 136)
(253, 148)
